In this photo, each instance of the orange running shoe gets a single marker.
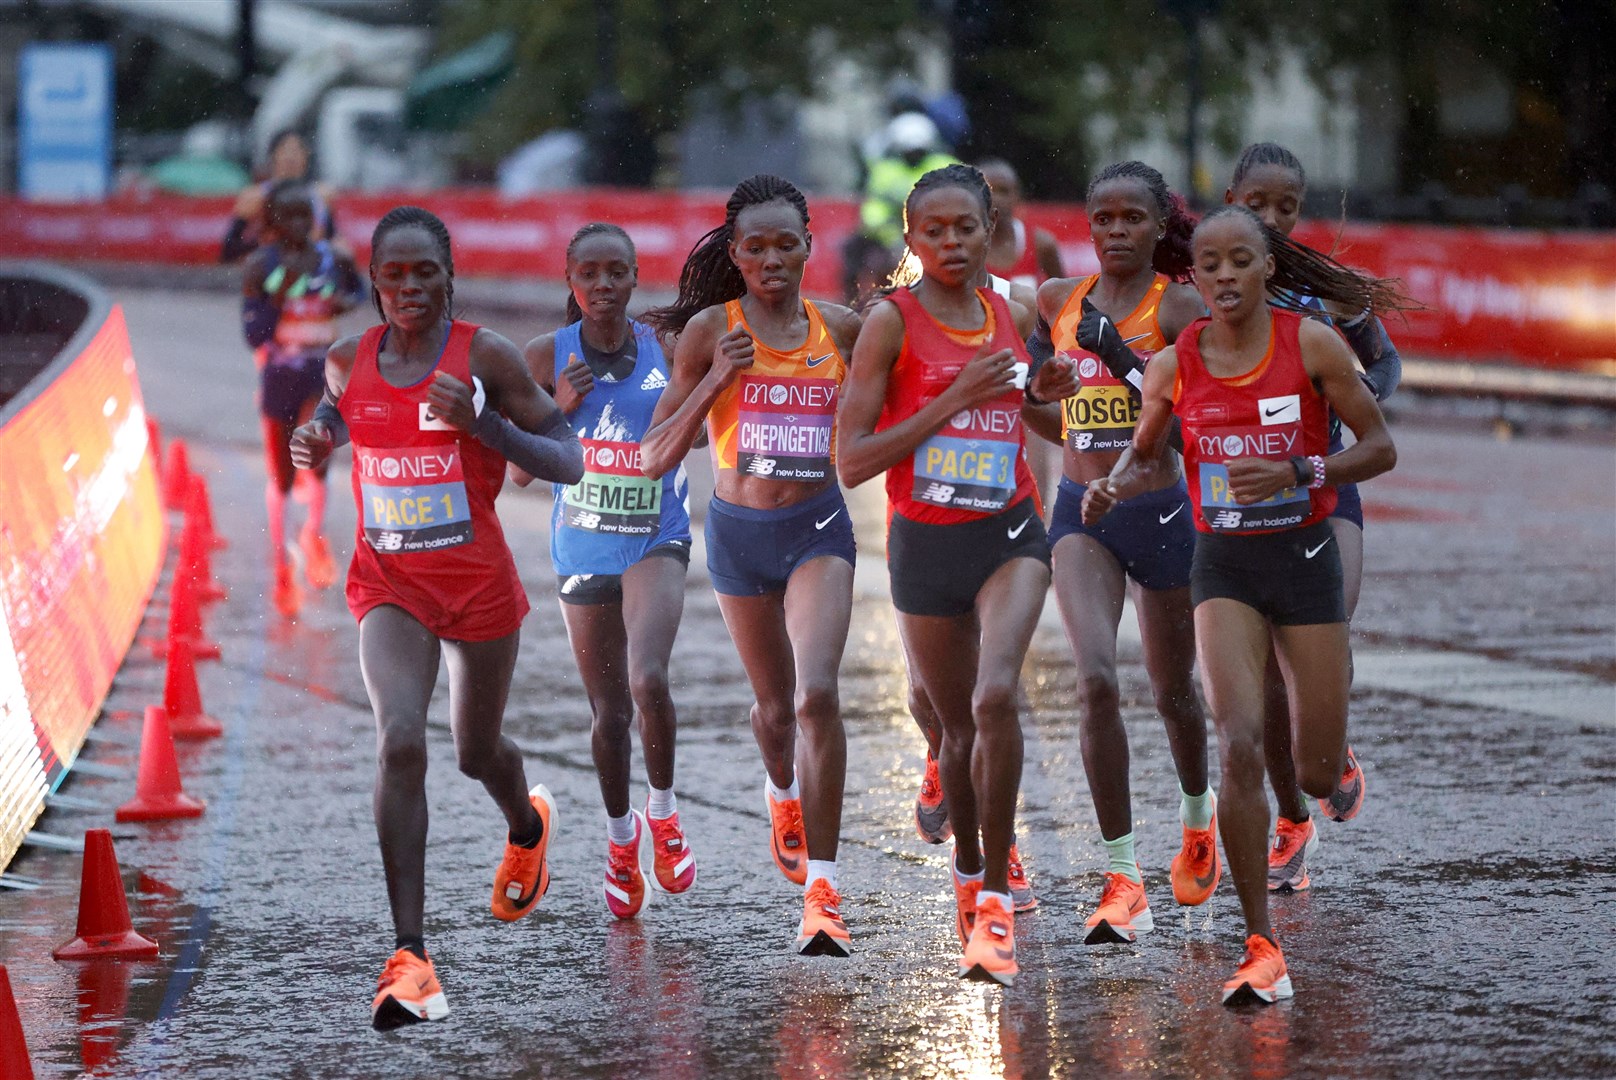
(1123, 914)
(931, 808)
(625, 883)
(787, 840)
(822, 931)
(288, 597)
(1022, 898)
(673, 864)
(524, 873)
(1196, 868)
(319, 568)
(1344, 803)
(1262, 977)
(1287, 860)
(407, 993)
(990, 953)
(964, 904)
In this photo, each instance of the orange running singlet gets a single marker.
(1102, 414)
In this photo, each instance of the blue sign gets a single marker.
(64, 121)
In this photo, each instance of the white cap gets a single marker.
(912, 131)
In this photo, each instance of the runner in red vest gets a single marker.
(1253, 388)
(435, 408)
(934, 400)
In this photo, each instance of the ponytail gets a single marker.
(1172, 255)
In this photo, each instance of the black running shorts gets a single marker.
(1292, 578)
(939, 569)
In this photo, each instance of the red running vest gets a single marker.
(428, 540)
(1273, 411)
(976, 464)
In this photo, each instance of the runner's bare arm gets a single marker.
(313, 442)
(1049, 260)
(695, 383)
(844, 324)
(861, 452)
(1180, 306)
(1329, 362)
(1139, 468)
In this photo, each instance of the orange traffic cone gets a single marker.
(158, 796)
(14, 1063)
(176, 477)
(194, 560)
(104, 929)
(185, 620)
(200, 502)
(154, 440)
(182, 697)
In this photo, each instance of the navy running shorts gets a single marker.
(755, 552)
(588, 589)
(1348, 504)
(1152, 536)
(1291, 578)
(285, 387)
(939, 569)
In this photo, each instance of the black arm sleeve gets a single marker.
(237, 244)
(328, 414)
(552, 454)
(1383, 367)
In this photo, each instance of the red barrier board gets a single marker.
(81, 544)
(1546, 299)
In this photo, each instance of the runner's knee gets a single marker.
(1098, 693)
(1243, 756)
(649, 687)
(818, 705)
(993, 705)
(402, 754)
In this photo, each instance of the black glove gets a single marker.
(1098, 334)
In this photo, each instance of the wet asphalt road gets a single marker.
(1460, 926)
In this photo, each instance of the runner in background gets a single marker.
(1253, 388)
(762, 368)
(435, 408)
(1023, 256)
(620, 543)
(293, 289)
(288, 159)
(934, 400)
(1269, 181)
(1141, 234)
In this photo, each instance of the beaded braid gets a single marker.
(402, 217)
(1300, 271)
(710, 276)
(594, 228)
(1172, 255)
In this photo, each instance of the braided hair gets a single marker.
(967, 177)
(1172, 255)
(594, 228)
(403, 217)
(1301, 272)
(1266, 153)
(710, 276)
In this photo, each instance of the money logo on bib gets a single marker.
(413, 498)
(614, 496)
(971, 463)
(1278, 438)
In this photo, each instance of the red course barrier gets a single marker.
(1539, 298)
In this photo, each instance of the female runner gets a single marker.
(435, 407)
(1269, 181)
(620, 543)
(288, 160)
(762, 367)
(1141, 236)
(293, 289)
(934, 400)
(1253, 388)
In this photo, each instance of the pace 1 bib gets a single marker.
(614, 496)
(413, 498)
(784, 427)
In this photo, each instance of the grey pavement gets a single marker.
(1459, 926)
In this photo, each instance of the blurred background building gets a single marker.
(1463, 111)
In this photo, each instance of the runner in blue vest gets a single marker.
(620, 543)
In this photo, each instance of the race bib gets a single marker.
(614, 496)
(1103, 412)
(1220, 445)
(785, 427)
(413, 498)
(971, 463)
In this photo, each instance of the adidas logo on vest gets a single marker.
(655, 380)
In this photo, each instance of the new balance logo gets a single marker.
(655, 380)
(1227, 519)
(588, 520)
(389, 541)
(761, 466)
(939, 493)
